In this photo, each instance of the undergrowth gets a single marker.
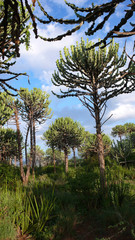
(53, 204)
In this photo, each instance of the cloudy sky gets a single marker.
(40, 62)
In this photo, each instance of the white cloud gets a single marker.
(42, 55)
(46, 76)
(107, 27)
(123, 111)
(53, 88)
(119, 10)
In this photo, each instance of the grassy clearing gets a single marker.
(55, 206)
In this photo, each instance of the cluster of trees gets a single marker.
(123, 148)
(89, 148)
(8, 145)
(94, 76)
(65, 134)
(123, 130)
(33, 107)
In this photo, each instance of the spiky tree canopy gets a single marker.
(50, 137)
(8, 140)
(14, 28)
(94, 76)
(130, 128)
(5, 110)
(86, 72)
(88, 146)
(36, 101)
(63, 133)
(118, 130)
(59, 156)
(10, 40)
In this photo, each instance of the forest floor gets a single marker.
(86, 231)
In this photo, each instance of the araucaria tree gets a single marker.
(5, 111)
(94, 76)
(63, 134)
(118, 130)
(35, 109)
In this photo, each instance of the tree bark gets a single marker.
(3, 154)
(54, 162)
(66, 159)
(34, 147)
(19, 143)
(15, 160)
(23, 176)
(74, 157)
(26, 140)
(100, 147)
(10, 161)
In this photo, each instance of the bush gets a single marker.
(8, 174)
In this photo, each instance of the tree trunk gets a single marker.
(10, 161)
(19, 144)
(100, 147)
(66, 159)
(26, 140)
(34, 148)
(3, 154)
(74, 157)
(54, 162)
(15, 160)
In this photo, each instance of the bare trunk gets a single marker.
(74, 157)
(3, 154)
(54, 160)
(15, 160)
(100, 147)
(19, 144)
(66, 159)
(10, 161)
(34, 148)
(26, 140)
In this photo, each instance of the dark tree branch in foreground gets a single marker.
(8, 76)
(88, 15)
(11, 37)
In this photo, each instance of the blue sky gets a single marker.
(40, 62)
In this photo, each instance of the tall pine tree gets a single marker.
(94, 76)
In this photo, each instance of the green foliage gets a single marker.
(59, 156)
(130, 128)
(64, 133)
(123, 130)
(11, 207)
(7, 229)
(40, 156)
(36, 101)
(5, 110)
(29, 212)
(121, 150)
(100, 66)
(119, 131)
(9, 174)
(44, 211)
(8, 143)
(88, 148)
(40, 213)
